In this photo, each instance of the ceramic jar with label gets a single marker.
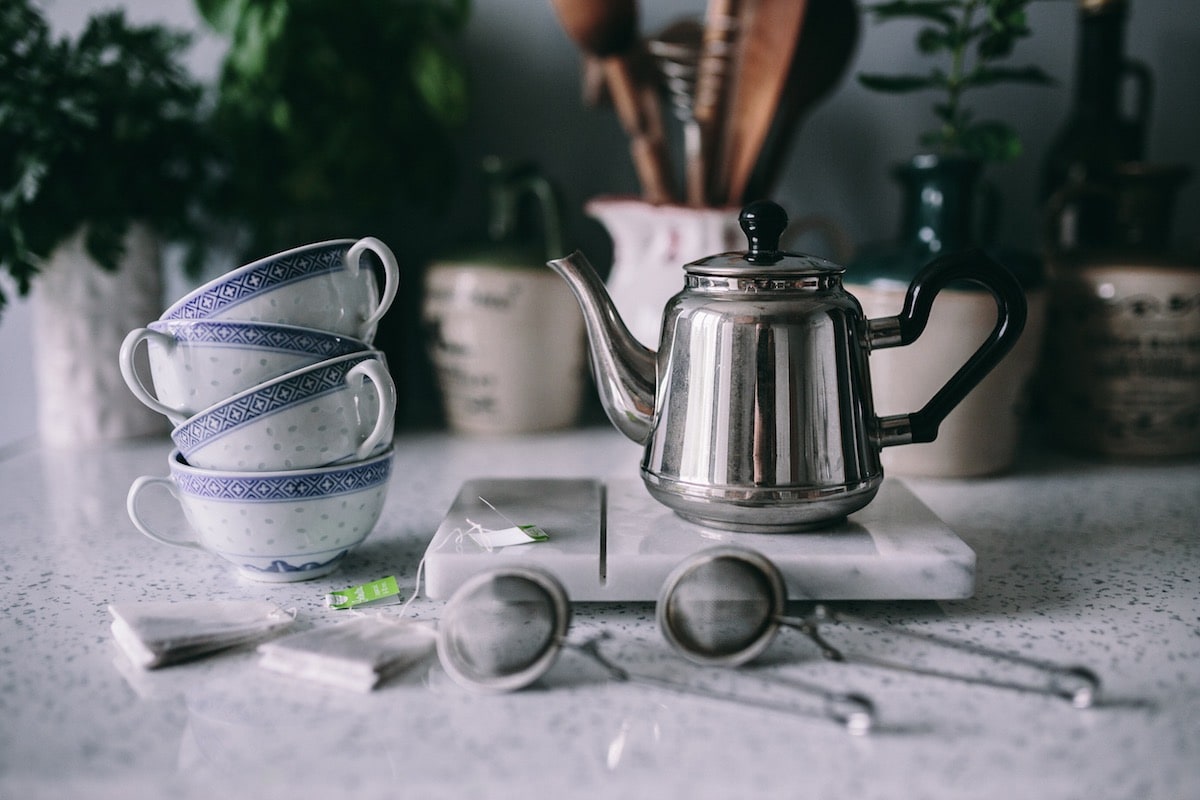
(1123, 346)
(505, 335)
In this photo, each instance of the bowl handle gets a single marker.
(374, 370)
(135, 490)
(391, 278)
(134, 381)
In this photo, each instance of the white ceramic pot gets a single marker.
(982, 434)
(291, 525)
(80, 313)
(508, 345)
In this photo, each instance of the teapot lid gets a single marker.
(763, 222)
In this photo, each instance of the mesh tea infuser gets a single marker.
(504, 628)
(724, 606)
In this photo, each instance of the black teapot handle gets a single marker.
(907, 326)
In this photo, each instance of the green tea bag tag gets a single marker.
(506, 537)
(376, 593)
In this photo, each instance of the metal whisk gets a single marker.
(676, 53)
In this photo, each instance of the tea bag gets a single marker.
(156, 633)
(358, 654)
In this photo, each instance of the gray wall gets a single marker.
(527, 104)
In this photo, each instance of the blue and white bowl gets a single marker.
(196, 363)
(339, 409)
(326, 285)
(282, 526)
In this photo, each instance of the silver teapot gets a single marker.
(756, 411)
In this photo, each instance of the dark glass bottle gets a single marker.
(1104, 128)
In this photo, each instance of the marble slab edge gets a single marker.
(610, 541)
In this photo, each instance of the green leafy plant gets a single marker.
(968, 38)
(335, 118)
(95, 134)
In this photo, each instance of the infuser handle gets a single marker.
(907, 326)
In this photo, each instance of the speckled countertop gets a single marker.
(1078, 562)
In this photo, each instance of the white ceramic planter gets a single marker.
(80, 315)
(980, 436)
(508, 345)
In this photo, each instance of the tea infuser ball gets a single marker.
(722, 607)
(503, 629)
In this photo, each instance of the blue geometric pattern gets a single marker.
(266, 400)
(286, 487)
(275, 272)
(272, 337)
(280, 566)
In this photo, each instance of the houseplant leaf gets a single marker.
(969, 35)
(115, 105)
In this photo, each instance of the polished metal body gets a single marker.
(766, 414)
(756, 411)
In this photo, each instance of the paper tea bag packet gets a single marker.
(155, 633)
(358, 654)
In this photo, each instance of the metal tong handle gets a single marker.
(1076, 684)
(855, 712)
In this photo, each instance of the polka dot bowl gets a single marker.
(325, 285)
(282, 526)
(340, 409)
(196, 363)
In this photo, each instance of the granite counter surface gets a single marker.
(1077, 562)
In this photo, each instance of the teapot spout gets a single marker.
(625, 369)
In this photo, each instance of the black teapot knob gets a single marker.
(763, 222)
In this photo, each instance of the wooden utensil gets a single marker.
(676, 51)
(721, 31)
(826, 46)
(770, 32)
(607, 29)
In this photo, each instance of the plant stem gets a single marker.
(954, 81)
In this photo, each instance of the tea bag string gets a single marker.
(457, 538)
(855, 712)
(1077, 684)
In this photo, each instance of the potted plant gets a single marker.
(945, 208)
(967, 40)
(336, 120)
(101, 154)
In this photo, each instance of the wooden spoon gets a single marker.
(770, 30)
(721, 33)
(607, 29)
(822, 55)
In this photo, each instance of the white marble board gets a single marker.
(611, 541)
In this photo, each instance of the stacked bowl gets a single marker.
(283, 411)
